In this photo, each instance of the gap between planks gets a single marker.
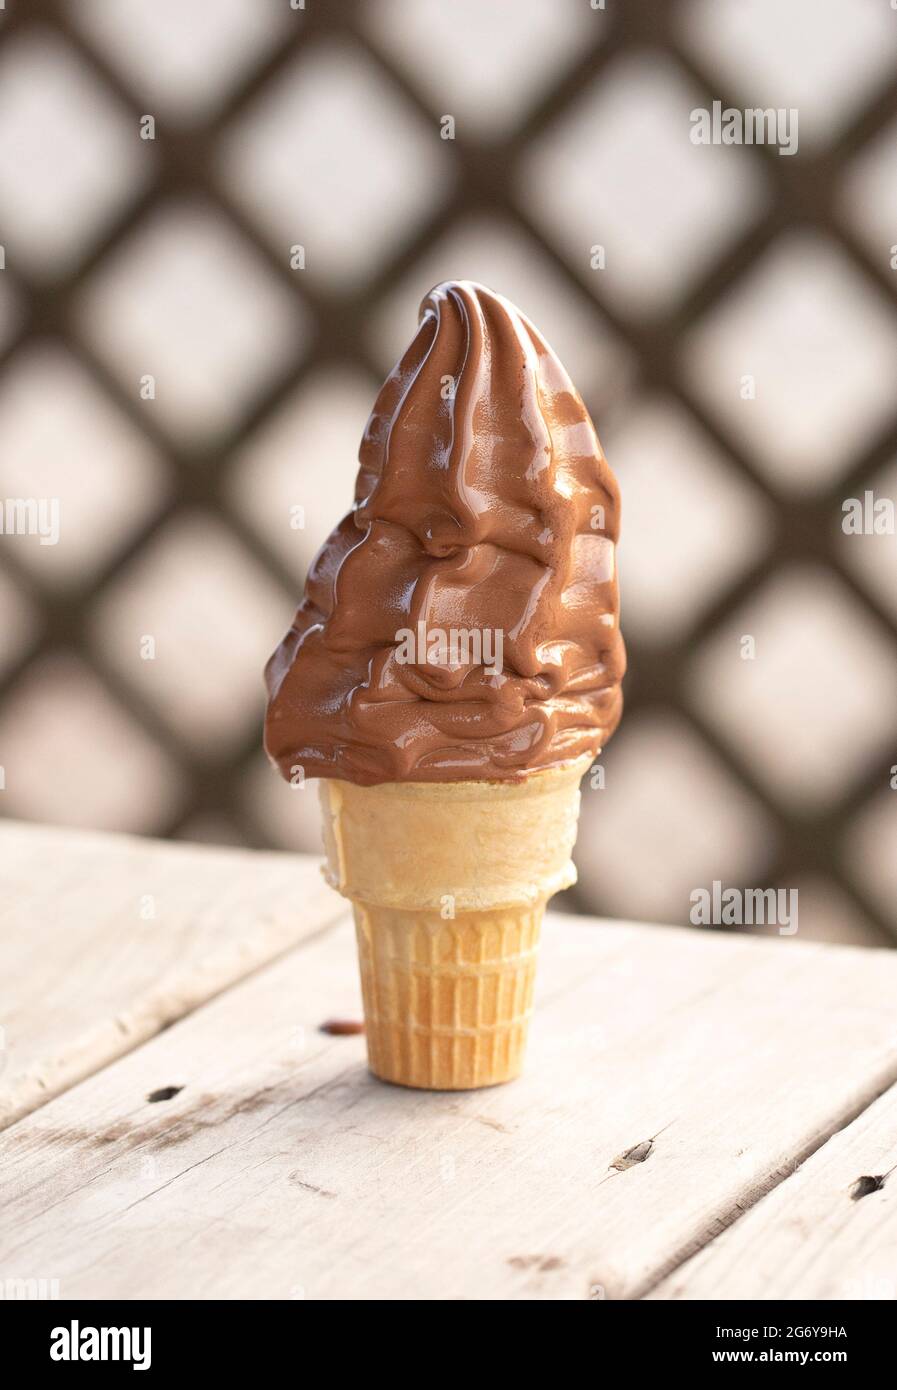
(696, 1256)
(89, 978)
(829, 1230)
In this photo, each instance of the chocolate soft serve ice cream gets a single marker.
(452, 671)
(484, 506)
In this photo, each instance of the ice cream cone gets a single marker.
(448, 882)
(466, 600)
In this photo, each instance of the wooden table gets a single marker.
(699, 1115)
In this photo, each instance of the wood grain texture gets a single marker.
(104, 940)
(673, 1077)
(827, 1232)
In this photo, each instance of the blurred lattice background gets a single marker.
(320, 127)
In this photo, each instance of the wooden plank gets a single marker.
(673, 1077)
(104, 940)
(827, 1232)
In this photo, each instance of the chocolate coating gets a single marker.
(483, 504)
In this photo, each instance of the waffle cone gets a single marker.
(448, 883)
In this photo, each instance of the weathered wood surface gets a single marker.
(827, 1232)
(104, 940)
(673, 1078)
